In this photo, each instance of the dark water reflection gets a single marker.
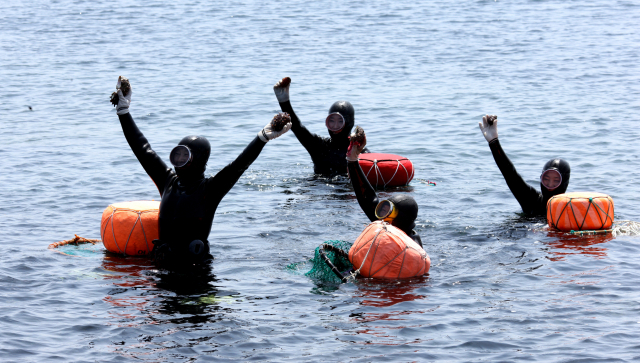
(564, 244)
(162, 304)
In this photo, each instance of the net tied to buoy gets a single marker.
(386, 170)
(330, 261)
(129, 228)
(580, 211)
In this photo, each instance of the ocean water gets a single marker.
(562, 76)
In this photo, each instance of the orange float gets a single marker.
(386, 170)
(130, 227)
(383, 251)
(580, 211)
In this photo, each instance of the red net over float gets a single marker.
(386, 170)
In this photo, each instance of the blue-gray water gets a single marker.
(563, 76)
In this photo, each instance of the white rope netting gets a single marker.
(379, 176)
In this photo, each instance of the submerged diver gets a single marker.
(327, 153)
(189, 199)
(554, 179)
(400, 210)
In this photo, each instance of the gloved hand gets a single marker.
(123, 101)
(489, 127)
(281, 89)
(357, 142)
(267, 133)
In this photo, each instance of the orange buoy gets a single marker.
(130, 227)
(383, 251)
(386, 170)
(580, 211)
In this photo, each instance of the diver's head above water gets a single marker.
(554, 179)
(401, 210)
(340, 119)
(190, 156)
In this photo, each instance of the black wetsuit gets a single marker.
(189, 200)
(368, 201)
(327, 153)
(532, 201)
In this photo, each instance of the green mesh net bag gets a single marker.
(336, 252)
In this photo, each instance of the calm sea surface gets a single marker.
(563, 76)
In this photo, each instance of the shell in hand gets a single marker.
(358, 136)
(279, 121)
(125, 87)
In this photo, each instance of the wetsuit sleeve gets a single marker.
(312, 142)
(150, 161)
(365, 193)
(525, 194)
(221, 183)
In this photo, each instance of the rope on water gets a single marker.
(595, 231)
(75, 240)
(619, 228)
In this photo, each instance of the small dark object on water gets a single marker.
(358, 136)
(125, 86)
(279, 120)
(491, 119)
(30, 108)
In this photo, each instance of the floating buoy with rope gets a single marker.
(386, 170)
(384, 251)
(128, 228)
(580, 211)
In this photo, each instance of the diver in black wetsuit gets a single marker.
(327, 153)
(189, 199)
(401, 210)
(554, 179)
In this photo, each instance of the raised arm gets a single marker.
(150, 161)
(365, 193)
(226, 178)
(309, 140)
(525, 194)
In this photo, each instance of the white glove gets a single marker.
(267, 133)
(490, 132)
(355, 147)
(123, 101)
(281, 89)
